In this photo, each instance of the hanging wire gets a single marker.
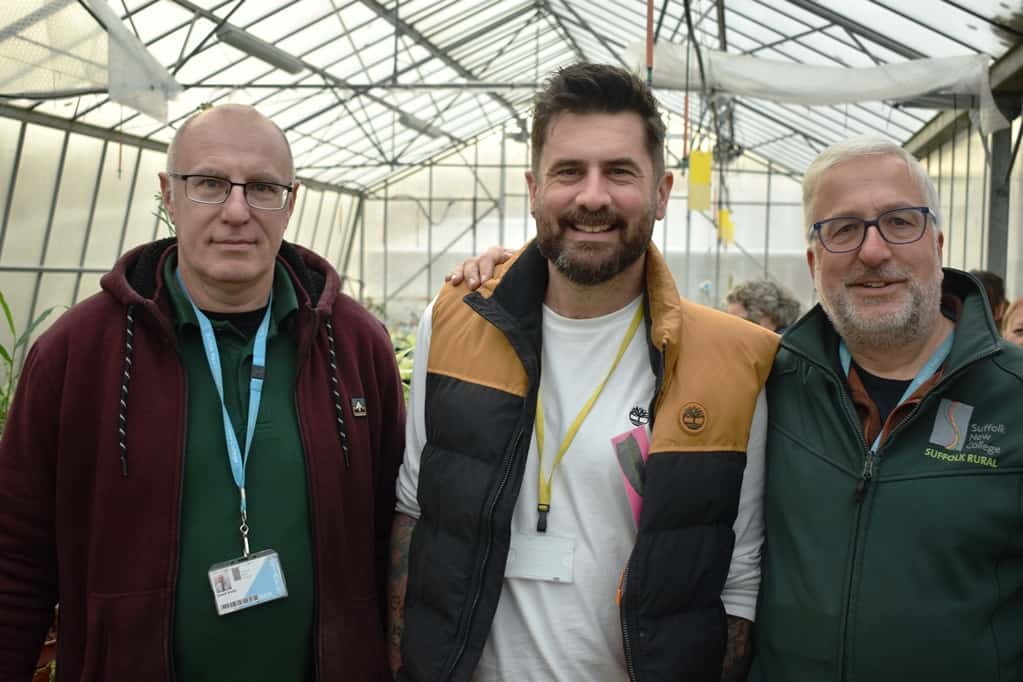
(650, 43)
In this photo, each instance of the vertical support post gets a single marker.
(689, 249)
(90, 221)
(936, 179)
(362, 256)
(767, 218)
(12, 184)
(502, 186)
(346, 256)
(475, 194)
(429, 233)
(716, 295)
(998, 199)
(316, 220)
(526, 212)
(61, 163)
(387, 213)
(311, 243)
(950, 223)
(128, 205)
(966, 200)
(296, 223)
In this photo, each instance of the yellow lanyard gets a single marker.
(544, 504)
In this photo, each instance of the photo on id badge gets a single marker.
(248, 581)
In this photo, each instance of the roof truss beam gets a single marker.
(435, 51)
(857, 28)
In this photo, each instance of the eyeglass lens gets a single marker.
(213, 190)
(900, 226)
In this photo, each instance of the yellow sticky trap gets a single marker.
(726, 229)
(699, 181)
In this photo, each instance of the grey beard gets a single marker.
(889, 331)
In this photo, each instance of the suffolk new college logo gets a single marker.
(951, 425)
(956, 440)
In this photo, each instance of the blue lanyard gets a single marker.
(926, 372)
(238, 459)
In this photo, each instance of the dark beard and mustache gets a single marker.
(551, 240)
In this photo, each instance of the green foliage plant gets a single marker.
(404, 348)
(161, 214)
(8, 372)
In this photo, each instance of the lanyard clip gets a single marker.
(244, 528)
(541, 517)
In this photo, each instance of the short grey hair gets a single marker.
(180, 132)
(765, 298)
(856, 148)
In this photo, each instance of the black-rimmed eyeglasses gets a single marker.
(209, 189)
(898, 226)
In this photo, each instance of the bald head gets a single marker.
(238, 115)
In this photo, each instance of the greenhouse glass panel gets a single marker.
(35, 182)
(78, 186)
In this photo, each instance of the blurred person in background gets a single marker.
(994, 287)
(763, 302)
(1012, 324)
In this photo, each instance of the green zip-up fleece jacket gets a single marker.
(484, 370)
(920, 576)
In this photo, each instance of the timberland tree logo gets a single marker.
(693, 417)
(639, 416)
(961, 441)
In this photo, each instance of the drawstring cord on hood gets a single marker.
(122, 408)
(335, 393)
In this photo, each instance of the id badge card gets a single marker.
(245, 582)
(540, 556)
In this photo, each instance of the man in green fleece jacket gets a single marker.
(894, 548)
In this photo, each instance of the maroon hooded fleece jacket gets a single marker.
(91, 519)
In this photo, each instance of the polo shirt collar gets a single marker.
(285, 301)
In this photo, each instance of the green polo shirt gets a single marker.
(272, 641)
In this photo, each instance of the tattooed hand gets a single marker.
(401, 537)
(738, 650)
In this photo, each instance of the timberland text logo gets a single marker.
(693, 418)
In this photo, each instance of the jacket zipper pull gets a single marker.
(868, 473)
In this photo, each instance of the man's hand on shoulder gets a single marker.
(478, 269)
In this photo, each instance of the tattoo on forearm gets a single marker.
(738, 650)
(401, 538)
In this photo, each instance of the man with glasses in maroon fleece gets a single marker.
(199, 463)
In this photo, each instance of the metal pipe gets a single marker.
(12, 184)
(387, 213)
(502, 189)
(90, 221)
(650, 43)
(61, 162)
